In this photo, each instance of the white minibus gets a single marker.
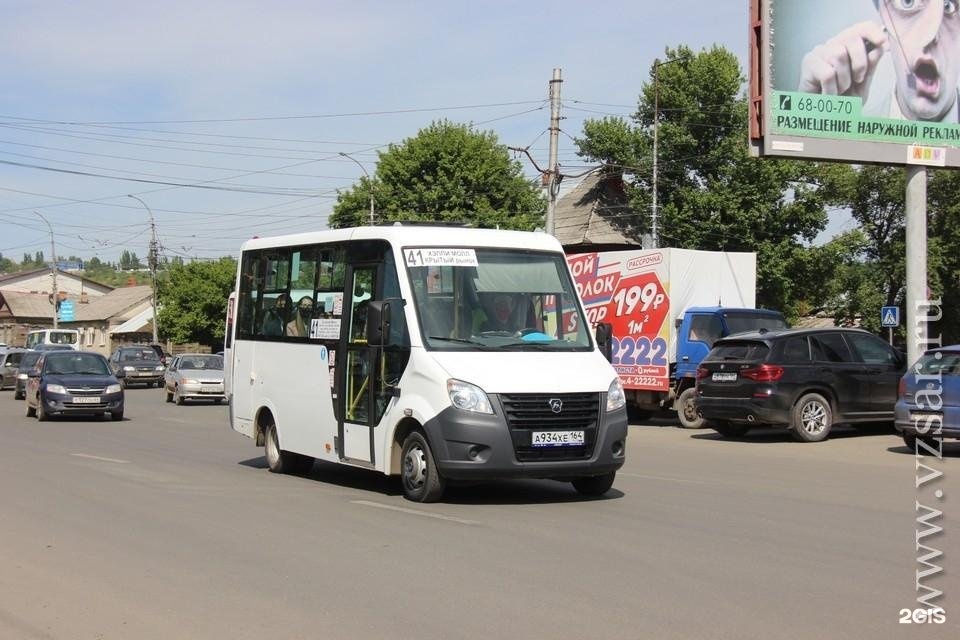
(432, 353)
(70, 337)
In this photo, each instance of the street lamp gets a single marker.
(53, 270)
(656, 122)
(369, 180)
(152, 263)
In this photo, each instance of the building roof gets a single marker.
(140, 323)
(23, 275)
(596, 214)
(26, 305)
(115, 304)
(120, 304)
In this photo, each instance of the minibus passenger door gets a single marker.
(359, 382)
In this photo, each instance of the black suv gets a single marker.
(804, 379)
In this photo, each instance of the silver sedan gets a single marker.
(194, 376)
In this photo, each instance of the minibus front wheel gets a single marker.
(422, 481)
(594, 485)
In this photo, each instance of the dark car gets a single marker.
(73, 382)
(804, 379)
(928, 403)
(9, 365)
(137, 365)
(27, 362)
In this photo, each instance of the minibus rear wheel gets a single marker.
(280, 461)
(422, 481)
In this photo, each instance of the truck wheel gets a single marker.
(280, 461)
(811, 418)
(594, 485)
(422, 481)
(728, 429)
(687, 409)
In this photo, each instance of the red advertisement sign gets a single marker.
(630, 295)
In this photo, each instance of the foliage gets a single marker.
(129, 260)
(193, 301)
(446, 173)
(711, 194)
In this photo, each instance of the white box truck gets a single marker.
(666, 308)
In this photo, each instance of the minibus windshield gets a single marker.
(480, 299)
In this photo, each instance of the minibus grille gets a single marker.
(529, 412)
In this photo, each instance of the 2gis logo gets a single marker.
(934, 615)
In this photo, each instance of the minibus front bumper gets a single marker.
(476, 446)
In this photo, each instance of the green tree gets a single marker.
(193, 301)
(7, 265)
(446, 173)
(129, 260)
(875, 273)
(710, 193)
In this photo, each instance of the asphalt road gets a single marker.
(168, 525)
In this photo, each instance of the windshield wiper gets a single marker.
(474, 343)
(529, 345)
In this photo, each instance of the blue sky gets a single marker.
(256, 100)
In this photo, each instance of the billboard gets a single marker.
(856, 81)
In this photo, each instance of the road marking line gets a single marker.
(640, 475)
(84, 455)
(415, 512)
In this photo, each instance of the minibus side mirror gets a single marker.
(605, 339)
(378, 322)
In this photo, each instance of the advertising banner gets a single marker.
(862, 80)
(632, 295)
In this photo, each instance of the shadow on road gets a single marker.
(505, 492)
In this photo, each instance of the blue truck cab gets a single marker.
(696, 331)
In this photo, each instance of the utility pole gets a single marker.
(656, 125)
(369, 181)
(152, 263)
(552, 174)
(53, 270)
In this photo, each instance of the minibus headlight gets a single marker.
(468, 397)
(615, 396)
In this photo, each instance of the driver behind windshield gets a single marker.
(497, 313)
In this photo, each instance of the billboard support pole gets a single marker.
(916, 238)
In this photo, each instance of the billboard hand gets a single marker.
(844, 65)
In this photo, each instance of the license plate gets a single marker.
(212, 389)
(556, 438)
(724, 376)
(144, 373)
(86, 400)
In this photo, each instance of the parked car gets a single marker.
(9, 365)
(804, 379)
(194, 376)
(928, 397)
(27, 362)
(73, 382)
(139, 365)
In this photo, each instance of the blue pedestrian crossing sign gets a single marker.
(890, 316)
